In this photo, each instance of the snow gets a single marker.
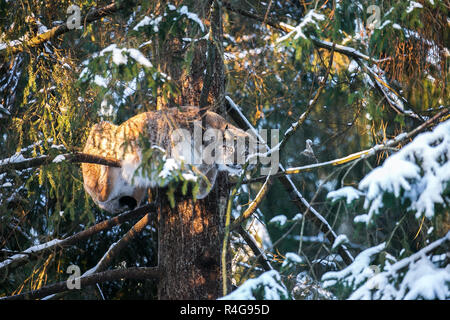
(310, 18)
(349, 193)
(419, 169)
(59, 158)
(169, 166)
(119, 55)
(17, 157)
(280, 220)
(192, 16)
(139, 57)
(356, 273)
(421, 280)
(340, 240)
(267, 286)
(363, 218)
(101, 81)
(413, 5)
(189, 177)
(25, 253)
(155, 21)
(292, 259)
(149, 21)
(353, 67)
(384, 24)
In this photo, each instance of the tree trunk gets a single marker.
(190, 243)
(191, 233)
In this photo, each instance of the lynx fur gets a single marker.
(119, 189)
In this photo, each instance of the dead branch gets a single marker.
(33, 252)
(138, 273)
(114, 250)
(11, 164)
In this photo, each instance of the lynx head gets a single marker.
(220, 146)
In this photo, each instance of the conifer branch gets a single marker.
(38, 40)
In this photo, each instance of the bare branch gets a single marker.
(34, 252)
(88, 280)
(289, 133)
(11, 164)
(295, 195)
(388, 145)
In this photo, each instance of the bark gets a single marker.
(191, 233)
(190, 242)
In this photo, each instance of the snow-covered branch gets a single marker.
(413, 277)
(93, 15)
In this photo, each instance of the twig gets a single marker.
(289, 133)
(295, 195)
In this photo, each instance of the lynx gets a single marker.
(118, 189)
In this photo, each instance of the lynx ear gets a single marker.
(208, 180)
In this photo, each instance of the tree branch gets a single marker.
(289, 133)
(360, 154)
(21, 164)
(33, 252)
(259, 254)
(295, 195)
(92, 16)
(138, 273)
(114, 250)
